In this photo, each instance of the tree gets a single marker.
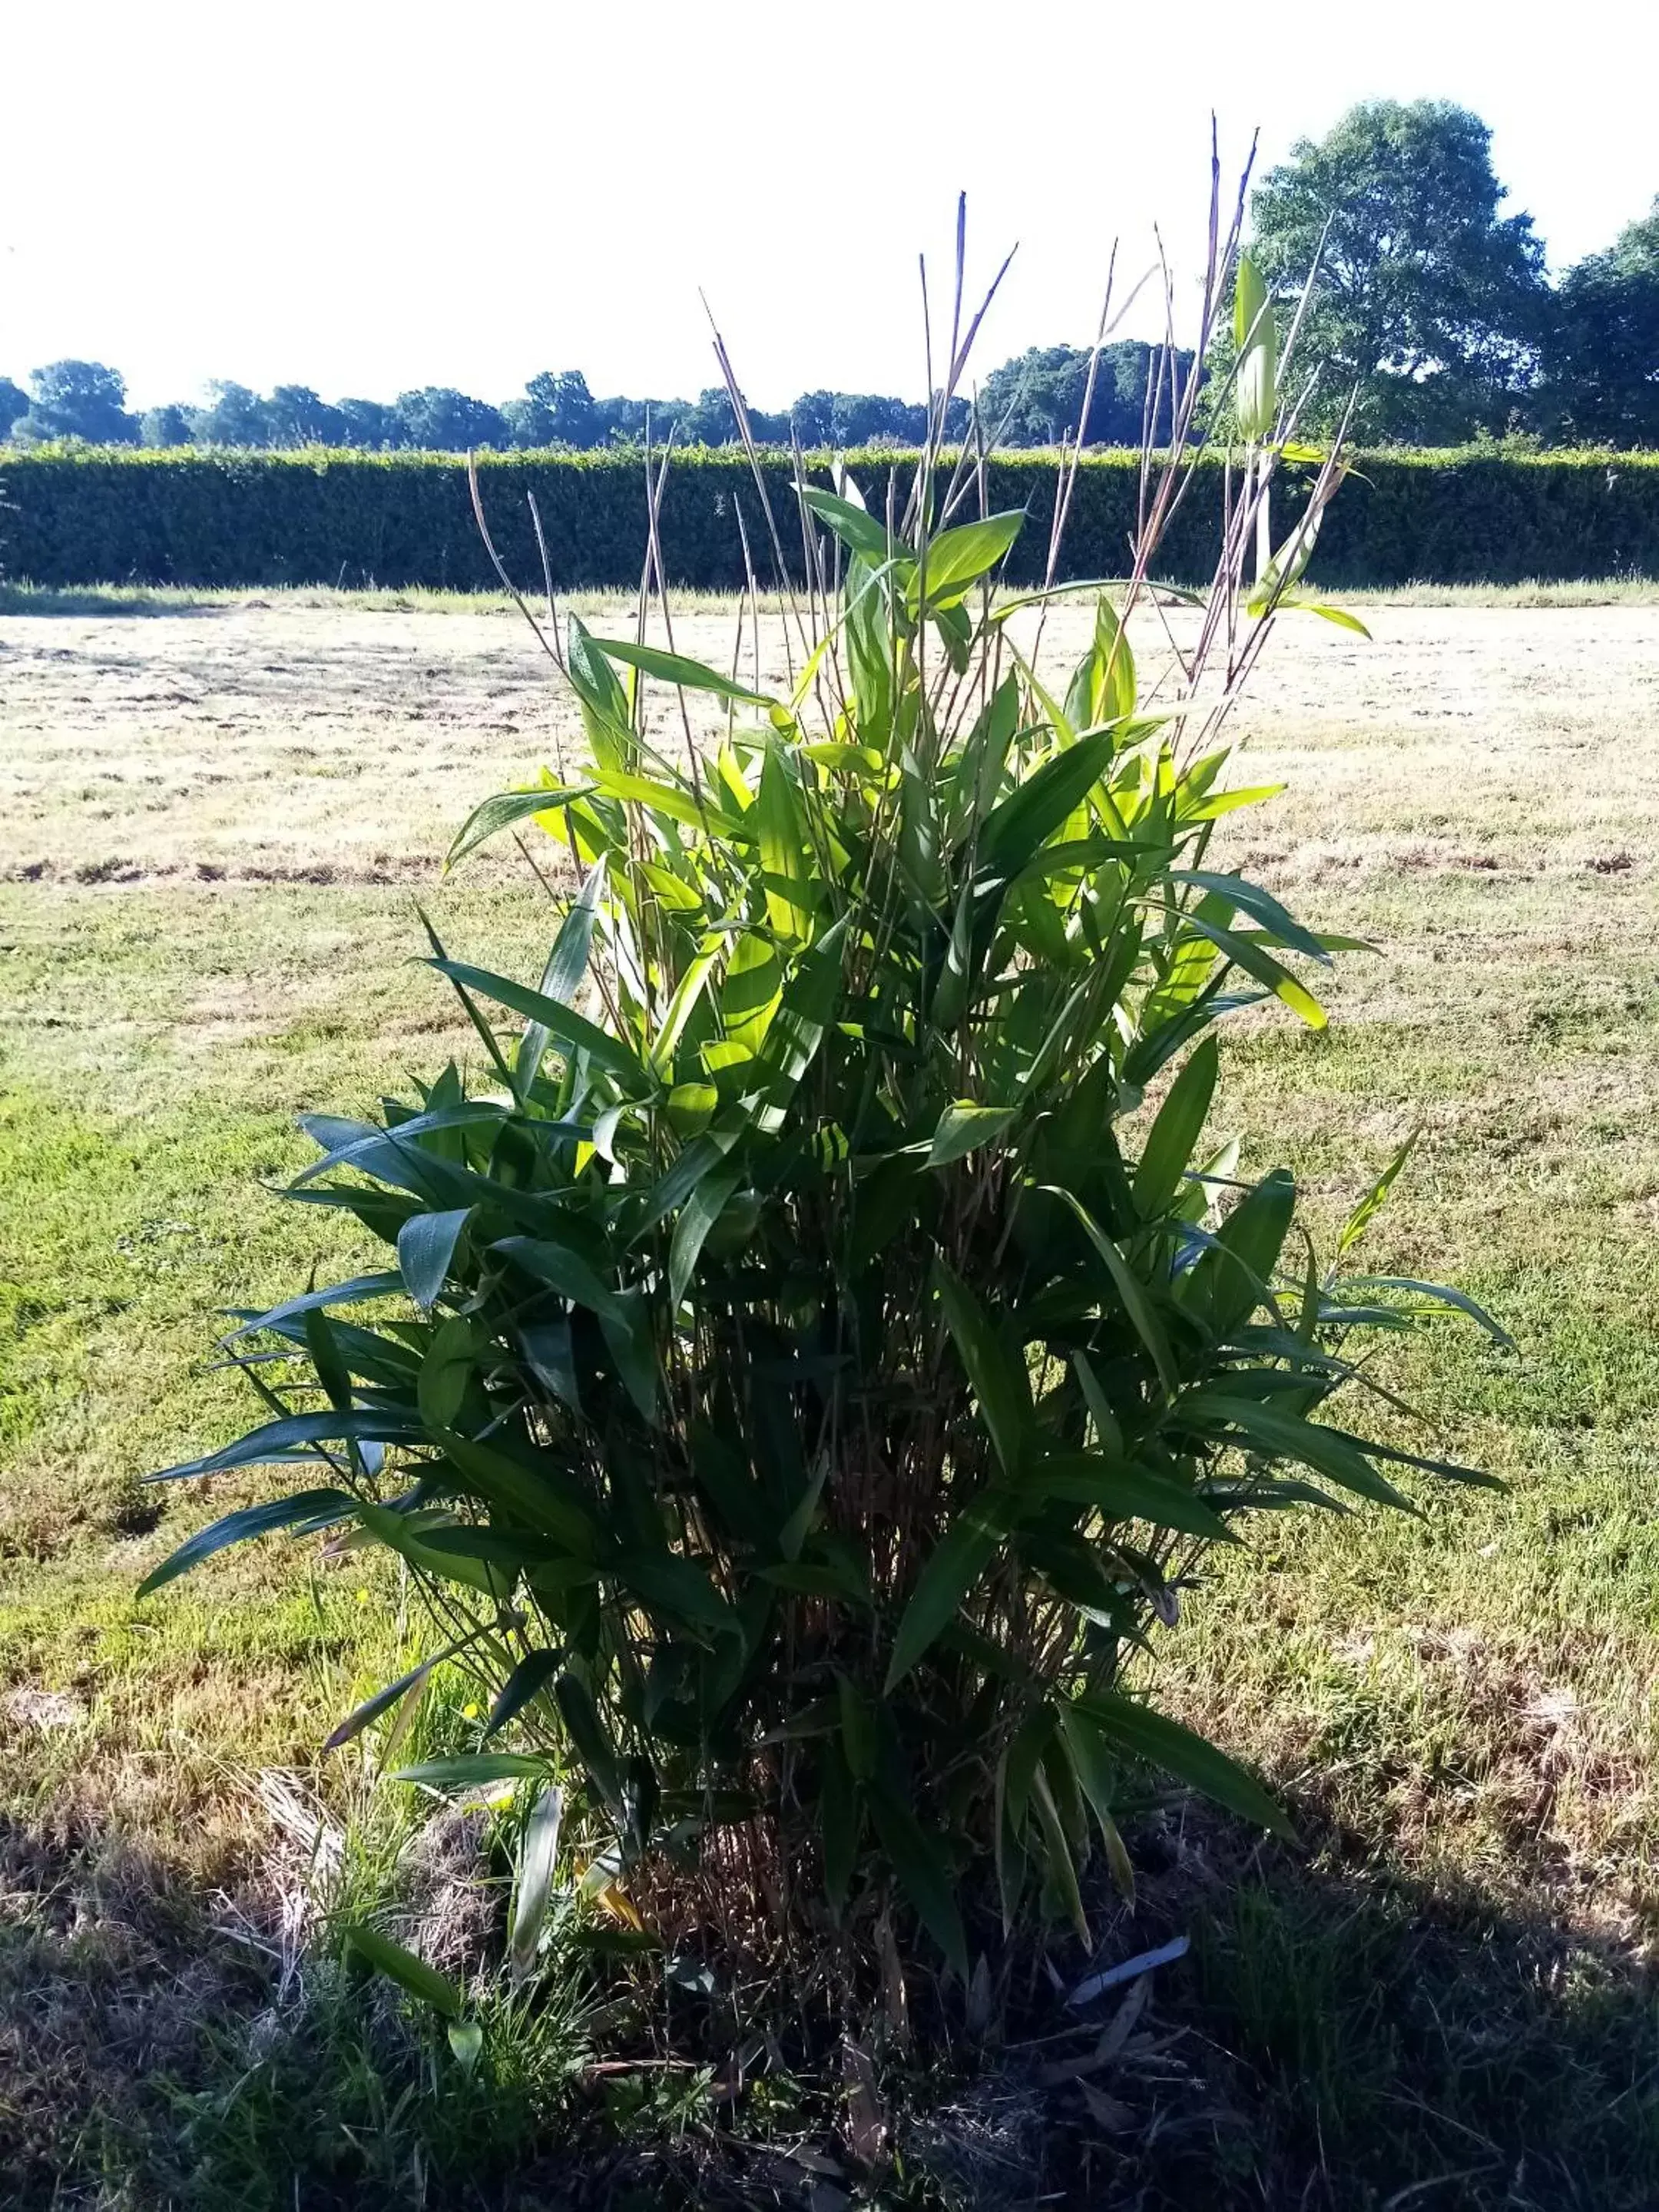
(857, 419)
(297, 416)
(236, 415)
(1040, 394)
(13, 404)
(78, 400)
(439, 420)
(165, 425)
(367, 424)
(1429, 301)
(1601, 360)
(556, 410)
(712, 420)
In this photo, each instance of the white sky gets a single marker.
(364, 197)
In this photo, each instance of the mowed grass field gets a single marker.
(214, 818)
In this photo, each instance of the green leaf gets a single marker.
(1371, 1204)
(1436, 1294)
(963, 1127)
(501, 811)
(952, 1568)
(560, 1269)
(1276, 1434)
(542, 1495)
(789, 893)
(1295, 604)
(677, 802)
(1260, 905)
(451, 1361)
(426, 1245)
(321, 1507)
(1248, 954)
(605, 715)
(671, 1583)
(853, 526)
(997, 1380)
(1130, 1290)
(478, 1770)
(1174, 1136)
(674, 668)
(1236, 1273)
(696, 1218)
(466, 2041)
(527, 1680)
(301, 1437)
(588, 1739)
(1256, 394)
(1124, 1491)
(360, 1287)
(1057, 1853)
(574, 1030)
(919, 1865)
(627, 1331)
(564, 973)
(537, 1856)
(410, 1973)
(957, 559)
(1024, 822)
(1160, 1741)
(1092, 1763)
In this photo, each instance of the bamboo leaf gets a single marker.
(953, 1566)
(318, 1508)
(674, 668)
(478, 1770)
(411, 1974)
(1173, 1138)
(1124, 1491)
(1159, 1741)
(1130, 1290)
(919, 1866)
(997, 1380)
(574, 1030)
(527, 1680)
(505, 809)
(426, 1246)
(963, 1127)
(537, 1857)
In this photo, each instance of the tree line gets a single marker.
(1431, 314)
(1040, 394)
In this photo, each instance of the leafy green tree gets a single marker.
(556, 410)
(857, 419)
(1430, 301)
(367, 424)
(165, 425)
(1602, 361)
(13, 404)
(713, 421)
(440, 420)
(77, 400)
(297, 416)
(236, 415)
(1039, 394)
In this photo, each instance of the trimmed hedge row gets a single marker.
(101, 515)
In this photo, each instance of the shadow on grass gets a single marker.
(1337, 2041)
(117, 600)
(1358, 2042)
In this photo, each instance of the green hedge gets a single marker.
(96, 516)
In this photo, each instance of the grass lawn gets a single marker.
(215, 825)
